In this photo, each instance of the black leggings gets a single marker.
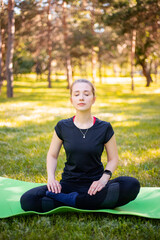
(117, 192)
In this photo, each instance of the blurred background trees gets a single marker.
(84, 38)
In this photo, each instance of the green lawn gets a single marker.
(26, 126)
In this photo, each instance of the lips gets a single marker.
(81, 104)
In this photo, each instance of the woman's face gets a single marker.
(82, 96)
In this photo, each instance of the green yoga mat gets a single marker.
(147, 204)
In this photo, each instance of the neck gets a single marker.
(83, 119)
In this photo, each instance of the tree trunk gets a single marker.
(0, 61)
(156, 70)
(147, 74)
(1, 5)
(69, 70)
(49, 50)
(67, 53)
(133, 46)
(93, 65)
(10, 48)
(93, 52)
(100, 69)
(3, 66)
(1, 48)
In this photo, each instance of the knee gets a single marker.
(32, 199)
(135, 187)
(25, 201)
(29, 201)
(130, 186)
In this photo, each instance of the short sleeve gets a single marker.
(109, 133)
(58, 130)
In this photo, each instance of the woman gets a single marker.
(84, 184)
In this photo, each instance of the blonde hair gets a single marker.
(85, 81)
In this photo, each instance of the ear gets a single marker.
(71, 99)
(94, 99)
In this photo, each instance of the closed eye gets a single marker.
(86, 93)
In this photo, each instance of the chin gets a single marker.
(82, 109)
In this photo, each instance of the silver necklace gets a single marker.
(84, 134)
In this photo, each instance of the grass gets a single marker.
(26, 126)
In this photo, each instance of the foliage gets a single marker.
(23, 60)
(142, 16)
(103, 27)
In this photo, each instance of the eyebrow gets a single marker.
(84, 91)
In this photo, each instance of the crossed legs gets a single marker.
(117, 192)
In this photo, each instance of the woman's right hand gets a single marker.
(53, 185)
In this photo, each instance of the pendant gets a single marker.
(83, 136)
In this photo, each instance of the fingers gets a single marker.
(59, 188)
(54, 187)
(95, 187)
(49, 188)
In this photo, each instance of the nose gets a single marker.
(81, 97)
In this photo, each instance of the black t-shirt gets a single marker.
(83, 163)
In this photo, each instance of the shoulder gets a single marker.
(102, 123)
(63, 126)
(64, 122)
(106, 130)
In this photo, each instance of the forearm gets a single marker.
(112, 155)
(51, 166)
(112, 165)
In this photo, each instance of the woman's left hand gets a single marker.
(97, 186)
